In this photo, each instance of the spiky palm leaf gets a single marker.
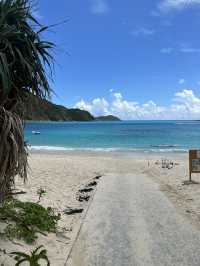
(22, 53)
(23, 56)
(33, 259)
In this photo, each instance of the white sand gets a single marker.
(62, 174)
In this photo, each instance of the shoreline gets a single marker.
(102, 153)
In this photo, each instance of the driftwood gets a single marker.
(16, 193)
(11, 194)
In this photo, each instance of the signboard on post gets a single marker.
(194, 162)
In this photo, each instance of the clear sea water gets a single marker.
(145, 136)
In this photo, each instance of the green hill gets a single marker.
(107, 118)
(43, 110)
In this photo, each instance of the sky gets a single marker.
(134, 59)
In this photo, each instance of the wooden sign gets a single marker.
(194, 162)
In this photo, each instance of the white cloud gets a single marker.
(189, 50)
(98, 106)
(182, 49)
(167, 5)
(166, 50)
(181, 81)
(184, 105)
(187, 103)
(143, 31)
(83, 106)
(99, 6)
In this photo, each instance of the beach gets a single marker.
(62, 174)
(100, 133)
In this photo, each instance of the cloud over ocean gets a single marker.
(184, 105)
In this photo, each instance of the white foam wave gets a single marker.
(154, 150)
(165, 146)
(56, 148)
(168, 150)
(47, 148)
(188, 123)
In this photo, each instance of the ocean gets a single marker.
(142, 136)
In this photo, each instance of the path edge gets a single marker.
(79, 226)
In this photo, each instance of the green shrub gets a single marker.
(26, 219)
(33, 259)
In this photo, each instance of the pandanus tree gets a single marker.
(25, 61)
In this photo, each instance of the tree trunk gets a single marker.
(13, 153)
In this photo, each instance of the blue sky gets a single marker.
(136, 59)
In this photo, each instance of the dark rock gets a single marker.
(85, 190)
(83, 197)
(71, 211)
(92, 184)
(98, 177)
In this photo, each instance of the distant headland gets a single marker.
(107, 118)
(36, 109)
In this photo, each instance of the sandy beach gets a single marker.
(99, 133)
(62, 174)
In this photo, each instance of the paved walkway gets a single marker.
(131, 222)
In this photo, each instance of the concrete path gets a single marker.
(131, 222)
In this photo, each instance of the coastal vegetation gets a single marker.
(26, 219)
(33, 259)
(25, 68)
(24, 59)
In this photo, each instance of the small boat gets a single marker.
(36, 132)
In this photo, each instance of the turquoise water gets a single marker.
(178, 136)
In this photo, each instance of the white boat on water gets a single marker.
(36, 132)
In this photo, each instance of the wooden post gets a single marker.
(190, 177)
(190, 165)
(194, 163)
